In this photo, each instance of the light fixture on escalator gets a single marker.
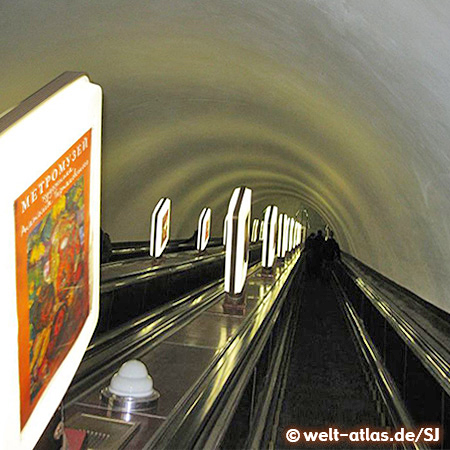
(131, 389)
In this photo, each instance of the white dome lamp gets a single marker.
(131, 389)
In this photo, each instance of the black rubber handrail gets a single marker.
(385, 385)
(264, 429)
(153, 270)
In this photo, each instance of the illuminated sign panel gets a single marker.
(160, 227)
(225, 231)
(261, 231)
(294, 242)
(204, 228)
(280, 235)
(50, 148)
(237, 240)
(285, 235)
(290, 233)
(270, 236)
(255, 228)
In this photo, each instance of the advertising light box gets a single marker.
(270, 236)
(255, 228)
(50, 148)
(285, 235)
(291, 234)
(261, 230)
(280, 235)
(237, 240)
(204, 228)
(225, 231)
(160, 227)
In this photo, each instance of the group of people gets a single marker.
(320, 254)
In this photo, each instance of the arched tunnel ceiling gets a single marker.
(340, 106)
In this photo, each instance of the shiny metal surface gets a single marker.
(207, 348)
(174, 368)
(147, 425)
(206, 402)
(129, 404)
(207, 330)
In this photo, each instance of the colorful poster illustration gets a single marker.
(165, 228)
(52, 269)
(207, 230)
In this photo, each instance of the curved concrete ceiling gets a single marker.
(340, 106)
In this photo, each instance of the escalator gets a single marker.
(326, 384)
(331, 350)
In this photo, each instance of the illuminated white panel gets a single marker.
(160, 227)
(288, 220)
(255, 228)
(269, 247)
(50, 149)
(204, 229)
(291, 234)
(285, 235)
(295, 234)
(225, 231)
(238, 240)
(280, 235)
(261, 231)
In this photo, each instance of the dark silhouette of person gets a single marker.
(309, 241)
(105, 247)
(317, 255)
(331, 253)
(331, 250)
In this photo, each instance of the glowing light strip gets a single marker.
(255, 228)
(280, 235)
(270, 236)
(285, 235)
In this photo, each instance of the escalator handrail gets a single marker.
(153, 270)
(131, 247)
(418, 337)
(145, 332)
(386, 386)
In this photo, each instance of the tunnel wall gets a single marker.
(340, 106)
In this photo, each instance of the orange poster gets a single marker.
(52, 269)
